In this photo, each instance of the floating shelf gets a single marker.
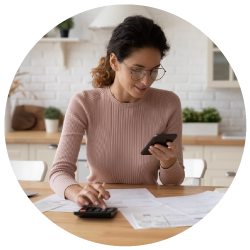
(61, 44)
(61, 39)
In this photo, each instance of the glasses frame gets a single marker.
(131, 72)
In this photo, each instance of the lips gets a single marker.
(140, 88)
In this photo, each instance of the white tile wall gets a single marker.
(185, 65)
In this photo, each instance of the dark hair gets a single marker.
(135, 32)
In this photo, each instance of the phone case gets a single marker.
(159, 139)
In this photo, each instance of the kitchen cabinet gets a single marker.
(18, 151)
(222, 156)
(222, 162)
(43, 152)
(219, 72)
(32, 152)
(83, 169)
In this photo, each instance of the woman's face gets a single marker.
(126, 89)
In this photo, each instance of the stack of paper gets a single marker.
(143, 210)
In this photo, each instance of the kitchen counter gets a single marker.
(53, 138)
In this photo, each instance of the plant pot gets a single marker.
(64, 33)
(51, 125)
(200, 128)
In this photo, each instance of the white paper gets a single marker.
(148, 220)
(195, 206)
(173, 218)
(119, 198)
(47, 205)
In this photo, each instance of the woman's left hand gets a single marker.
(166, 155)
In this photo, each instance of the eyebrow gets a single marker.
(143, 66)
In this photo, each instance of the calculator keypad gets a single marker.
(96, 212)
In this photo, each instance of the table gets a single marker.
(116, 231)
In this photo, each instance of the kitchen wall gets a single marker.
(185, 66)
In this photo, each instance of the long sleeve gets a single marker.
(116, 133)
(175, 174)
(63, 169)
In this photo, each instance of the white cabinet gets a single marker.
(193, 151)
(219, 72)
(83, 169)
(33, 152)
(223, 162)
(18, 151)
(43, 152)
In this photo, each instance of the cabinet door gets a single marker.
(220, 161)
(219, 72)
(18, 151)
(192, 152)
(83, 171)
(218, 178)
(43, 152)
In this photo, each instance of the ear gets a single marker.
(114, 62)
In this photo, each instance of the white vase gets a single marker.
(8, 115)
(200, 128)
(51, 125)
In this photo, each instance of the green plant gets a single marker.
(66, 24)
(52, 113)
(189, 115)
(209, 115)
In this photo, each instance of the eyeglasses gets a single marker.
(155, 74)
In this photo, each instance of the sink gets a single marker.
(234, 135)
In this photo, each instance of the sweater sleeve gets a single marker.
(62, 174)
(175, 174)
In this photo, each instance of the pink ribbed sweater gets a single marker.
(116, 133)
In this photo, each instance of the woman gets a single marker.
(119, 116)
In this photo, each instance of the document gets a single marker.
(149, 220)
(172, 217)
(195, 206)
(46, 205)
(119, 198)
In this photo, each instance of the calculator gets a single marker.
(96, 212)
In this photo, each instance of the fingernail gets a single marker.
(103, 207)
(96, 203)
(106, 197)
(86, 203)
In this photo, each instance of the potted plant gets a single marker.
(65, 26)
(51, 117)
(200, 123)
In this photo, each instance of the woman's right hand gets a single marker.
(89, 194)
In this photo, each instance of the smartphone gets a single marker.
(159, 139)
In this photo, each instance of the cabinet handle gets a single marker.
(52, 146)
(230, 174)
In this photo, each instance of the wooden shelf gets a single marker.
(61, 39)
(61, 45)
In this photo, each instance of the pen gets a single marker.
(99, 195)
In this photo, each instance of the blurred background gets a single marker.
(186, 67)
